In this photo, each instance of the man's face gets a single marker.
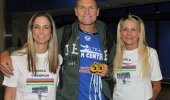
(86, 11)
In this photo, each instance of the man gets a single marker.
(85, 48)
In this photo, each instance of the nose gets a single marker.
(129, 32)
(86, 10)
(41, 30)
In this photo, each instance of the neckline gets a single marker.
(88, 33)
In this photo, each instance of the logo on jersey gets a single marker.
(91, 52)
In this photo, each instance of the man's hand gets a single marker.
(6, 63)
(105, 71)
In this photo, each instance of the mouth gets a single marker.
(129, 38)
(41, 36)
(87, 16)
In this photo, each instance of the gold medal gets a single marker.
(96, 67)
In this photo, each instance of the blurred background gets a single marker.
(14, 16)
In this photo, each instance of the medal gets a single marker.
(96, 67)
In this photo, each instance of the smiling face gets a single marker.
(130, 33)
(41, 30)
(86, 11)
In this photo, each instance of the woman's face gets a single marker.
(130, 33)
(41, 30)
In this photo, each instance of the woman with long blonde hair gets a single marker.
(36, 65)
(136, 65)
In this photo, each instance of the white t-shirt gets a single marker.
(43, 86)
(129, 82)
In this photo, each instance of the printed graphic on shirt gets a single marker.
(124, 72)
(39, 91)
(71, 53)
(128, 68)
(90, 87)
(92, 53)
(40, 83)
(84, 69)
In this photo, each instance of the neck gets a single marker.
(88, 28)
(41, 48)
(130, 47)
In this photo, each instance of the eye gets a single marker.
(46, 27)
(134, 29)
(124, 29)
(92, 7)
(81, 7)
(35, 26)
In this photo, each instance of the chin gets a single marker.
(129, 43)
(90, 23)
(87, 22)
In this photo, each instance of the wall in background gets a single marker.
(2, 25)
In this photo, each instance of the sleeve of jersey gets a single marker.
(12, 80)
(156, 74)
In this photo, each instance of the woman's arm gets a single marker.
(10, 93)
(156, 88)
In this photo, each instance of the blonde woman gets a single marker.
(136, 65)
(36, 64)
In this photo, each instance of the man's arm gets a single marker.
(156, 87)
(6, 63)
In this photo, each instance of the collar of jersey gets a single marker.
(87, 32)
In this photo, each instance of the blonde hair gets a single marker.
(29, 48)
(142, 47)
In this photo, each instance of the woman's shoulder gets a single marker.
(152, 51)
(18, 57)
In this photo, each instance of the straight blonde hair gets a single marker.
(142, 47)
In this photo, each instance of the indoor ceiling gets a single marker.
(125, 3)
(60, 7)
